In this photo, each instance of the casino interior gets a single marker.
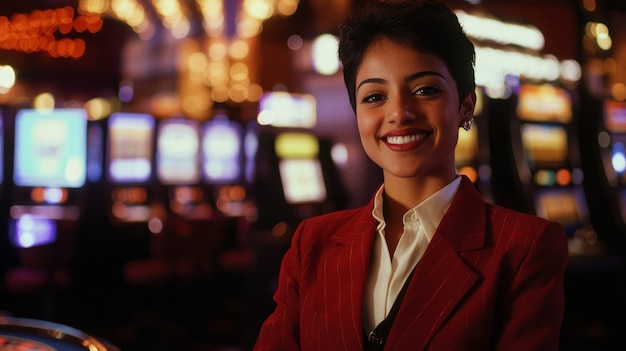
(156, 156)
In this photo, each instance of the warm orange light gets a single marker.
(36, 31)
(37, 195)
(563, 177)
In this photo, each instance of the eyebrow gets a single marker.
(409, 78)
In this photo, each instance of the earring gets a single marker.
(467, 125)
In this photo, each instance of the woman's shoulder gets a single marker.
(505, 215)
(518, 229)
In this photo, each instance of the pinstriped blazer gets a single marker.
(490, 279)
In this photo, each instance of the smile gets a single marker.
(404, 139)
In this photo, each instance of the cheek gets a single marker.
(367, 128)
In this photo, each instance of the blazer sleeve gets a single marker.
(281, 330)
(534, 304)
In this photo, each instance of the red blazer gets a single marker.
(490, 279)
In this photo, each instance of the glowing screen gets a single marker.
(544, 103)
(559, 205)
(282, 109)
(222, 146)
(130, 147)
(303, 181)
(178, 152)
(50, 148)
(293, 144)
(544, 144)
(32, 231)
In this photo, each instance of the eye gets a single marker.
(373, 98)
(426, 90)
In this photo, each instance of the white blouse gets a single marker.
(387, 274)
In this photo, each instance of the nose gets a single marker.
(401, 109)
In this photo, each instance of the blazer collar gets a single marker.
(462, 226)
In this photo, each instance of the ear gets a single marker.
(466, 108)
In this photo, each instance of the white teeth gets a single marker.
(397, 140)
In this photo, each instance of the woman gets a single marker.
(463, 274)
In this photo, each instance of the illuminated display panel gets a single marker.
(544, 103)
(30, 231)
(615, 116)
(300, 169)
(130, 152)
(50, 148)
(178, 152)
(559, 205)
(544, 145)
(222, 147)
(282, 109)
(290, 145)
(302, 180)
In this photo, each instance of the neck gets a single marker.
(402, 194)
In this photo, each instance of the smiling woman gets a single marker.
(427, 255)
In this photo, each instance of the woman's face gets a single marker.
(408, 111)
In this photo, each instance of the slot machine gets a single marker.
(178, 156)
(605, 169)
(135, 208)
(49, 174)
(190, 232)
(223, 164)
(293, 175)
(537, 164)
(49, 171)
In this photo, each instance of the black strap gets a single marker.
(375, 340)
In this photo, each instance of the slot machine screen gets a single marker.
(559, 205)
(282, 109)
(544, 145)
(544, 103)
(178, 152)
(300, 169)
(222, 150)
(29, 231)
(50, 148)
(615, 116)
(130, 152)
(302, 180)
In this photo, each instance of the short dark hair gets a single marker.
(425, 25)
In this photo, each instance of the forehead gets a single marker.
(384, 56)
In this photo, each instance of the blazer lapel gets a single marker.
(354, 246)
(441, 278)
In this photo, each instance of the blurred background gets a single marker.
(156, 155)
